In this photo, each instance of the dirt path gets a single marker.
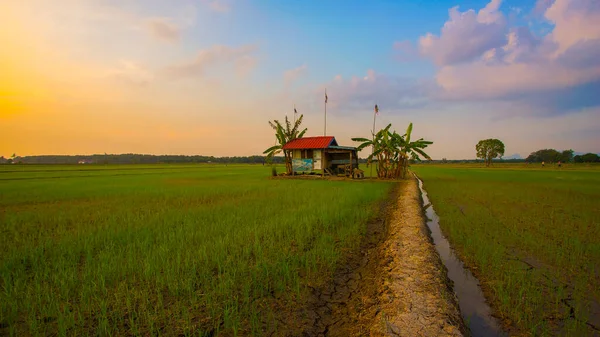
(417, 299)
(395, 286)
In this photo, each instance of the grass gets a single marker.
(172, 249)
(530, 234)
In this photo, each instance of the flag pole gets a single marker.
(325, 128)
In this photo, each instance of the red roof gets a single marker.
(310, 143)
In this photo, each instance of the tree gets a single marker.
(587, 158)
(489, 149)
(567, 156)
(12, 159)
(550, 156)
(393, 151)
(284, 135)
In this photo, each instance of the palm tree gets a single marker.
(393, 151)
(284, 135)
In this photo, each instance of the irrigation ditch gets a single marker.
(473, 306)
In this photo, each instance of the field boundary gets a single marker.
(418, 299)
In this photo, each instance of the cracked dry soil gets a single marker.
(395, 285)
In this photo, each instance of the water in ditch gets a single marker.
(473, 307)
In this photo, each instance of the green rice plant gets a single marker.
(531, 235)
(176, 249)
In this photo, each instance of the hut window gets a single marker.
(307, 154)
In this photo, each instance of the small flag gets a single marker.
(325, 96)
(295, 112)
(376, 109)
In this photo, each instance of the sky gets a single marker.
(205, 76)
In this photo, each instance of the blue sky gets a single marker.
(205, 76)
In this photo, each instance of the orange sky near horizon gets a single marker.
(53, 103)
(96, 76)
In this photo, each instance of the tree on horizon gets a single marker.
(488, 149)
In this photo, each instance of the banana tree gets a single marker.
(384, 149)
(393, 151)
(284, 134)
(411, 149)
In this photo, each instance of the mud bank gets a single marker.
(417, 298)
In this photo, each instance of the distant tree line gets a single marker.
(587, 158)
(566, 156)
(131, 158)
(472, 161)
(550, 156)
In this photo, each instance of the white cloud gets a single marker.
(466, 35)
(217, 55)
(291, 75)
(567, 57)
(131, 72)
(362, 93)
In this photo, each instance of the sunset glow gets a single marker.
(205, 76)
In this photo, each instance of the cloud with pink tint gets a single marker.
(241, 57)
(244, 65)
(291, 75)
(541, 6)
(220, 6)
(574, 21)
(163, 29)
(390, 92)
(524, 65)
(466, 35)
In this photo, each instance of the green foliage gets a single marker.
(587, 158)
(284, 134)
(567, 156)
(393, 151)
(168, 249)
(550, 156)
(489, 149)
(531, 236)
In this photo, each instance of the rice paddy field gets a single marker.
(177, 249)
(532, 237)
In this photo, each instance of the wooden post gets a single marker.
(323, 163)
(351, 166)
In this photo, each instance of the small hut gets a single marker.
(323, 155)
